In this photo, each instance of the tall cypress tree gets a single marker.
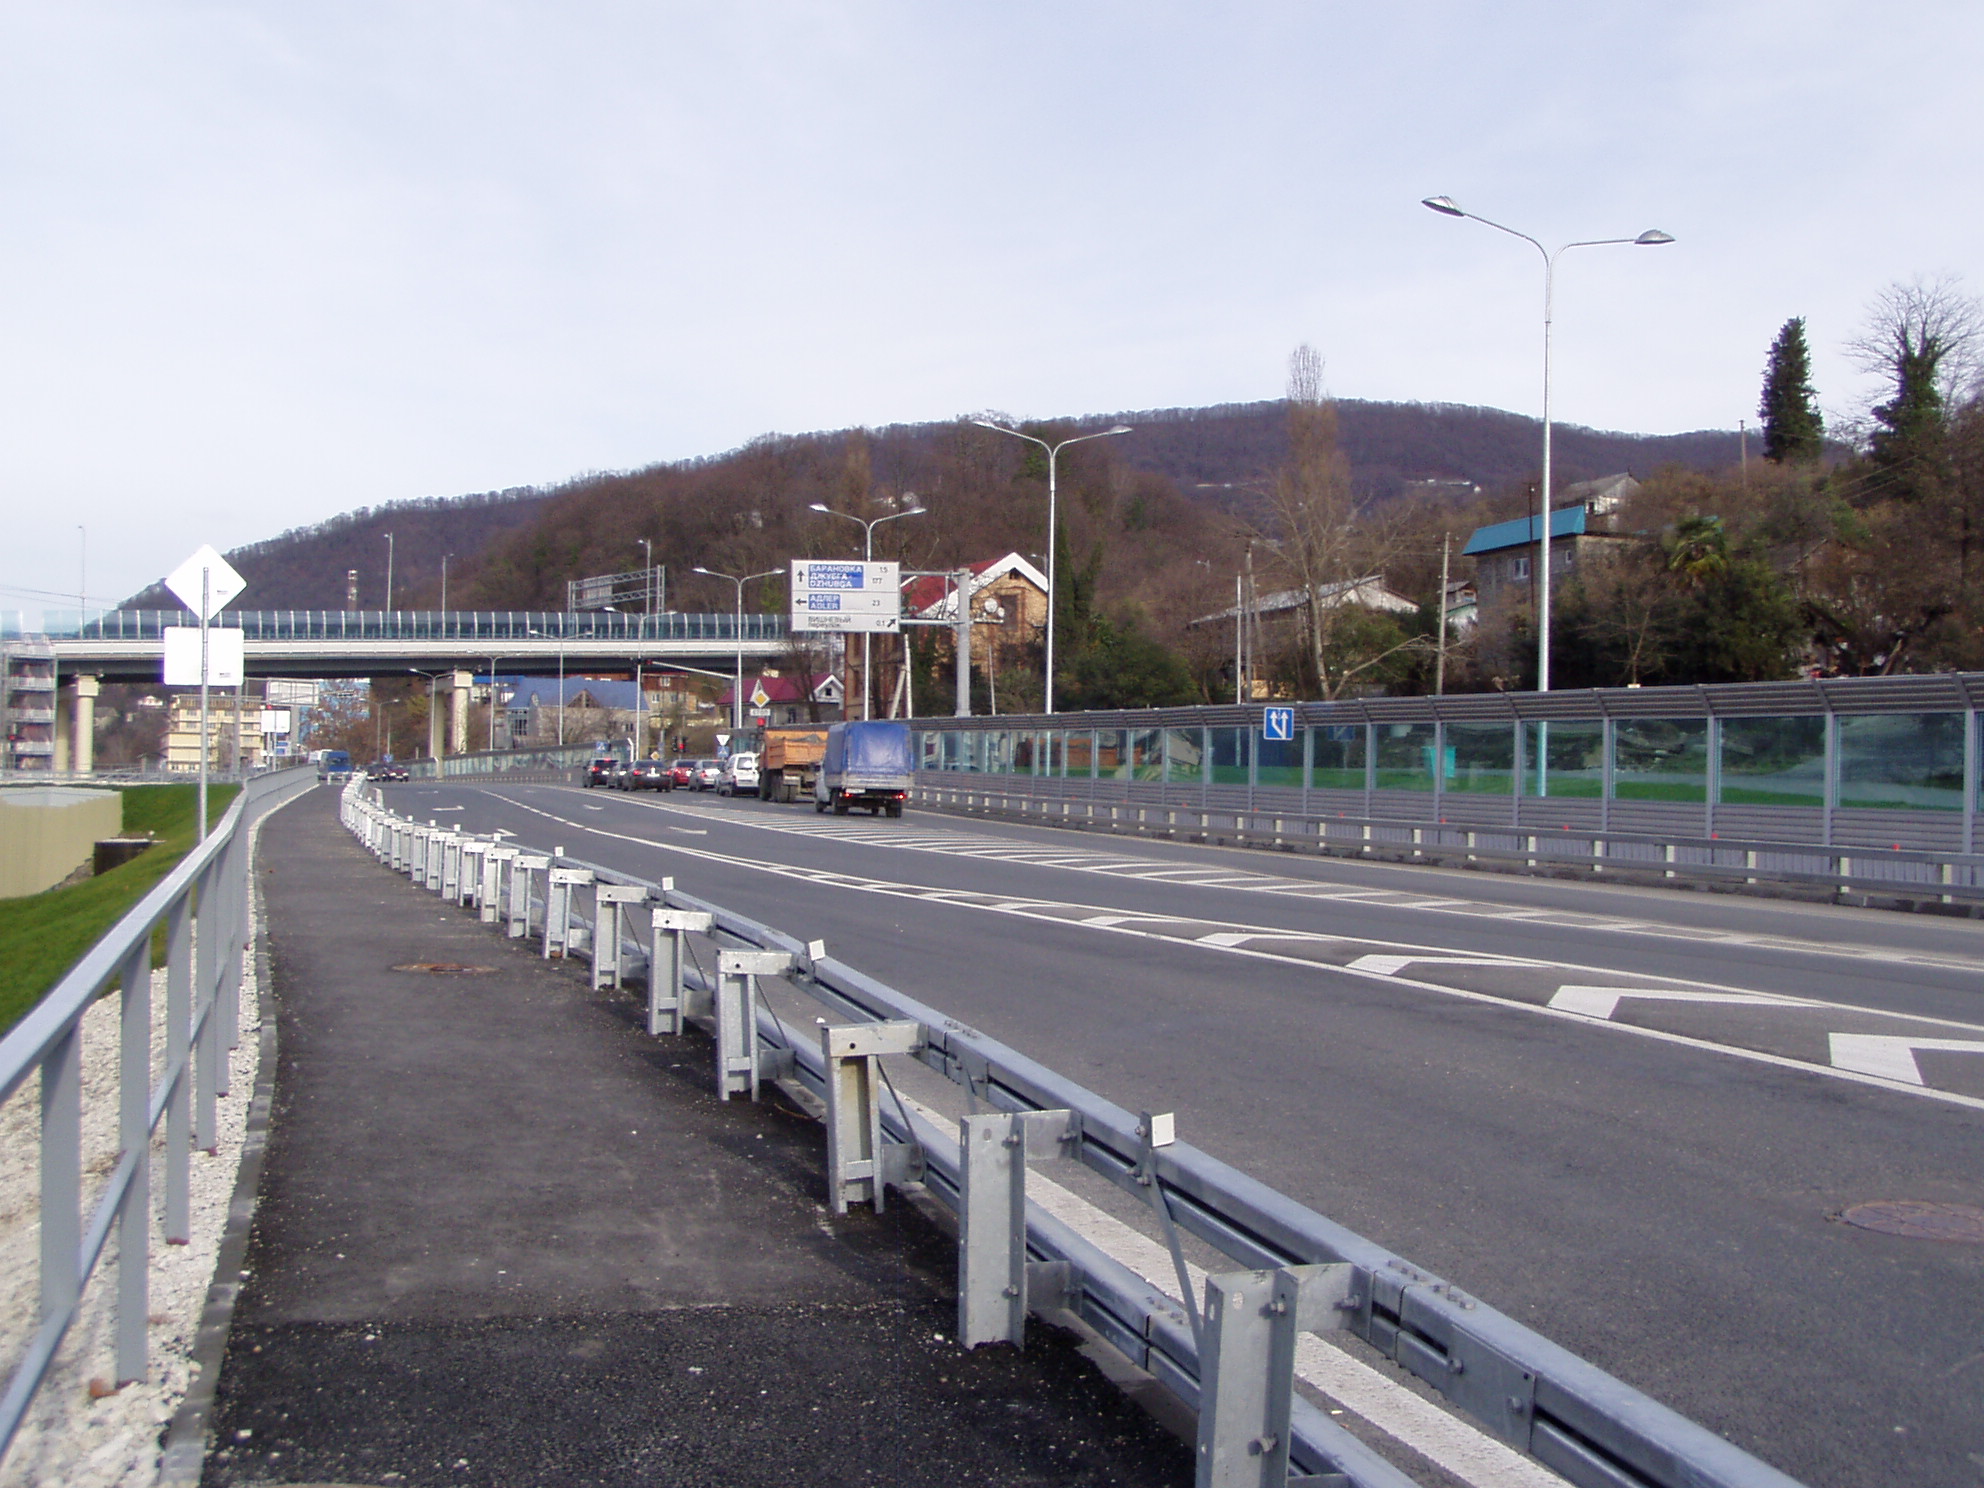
(1793, 427)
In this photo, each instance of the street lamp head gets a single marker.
(1122, 429)
(1443, 204)
(818, 506)
(710, 571)
(1653, 237)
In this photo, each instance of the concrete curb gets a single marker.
(187, 1437)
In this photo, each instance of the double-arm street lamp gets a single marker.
(737, 688)
(1053, 458)
(1652, 237)
(868, 526)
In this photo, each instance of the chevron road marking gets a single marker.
(1891, 1058)
(1245, 942)
(1602, 1002)
(1392, 965)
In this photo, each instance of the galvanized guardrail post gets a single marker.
(856, 1167)
(525, 864)
(1247, 1366)
(559, 932)
(665, 1001)
(610, 904)
(736, 1014)
(995, 1150)
(489, 905)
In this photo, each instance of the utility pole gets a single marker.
(964, 643)
(1440, 667)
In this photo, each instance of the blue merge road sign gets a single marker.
(1278, 724)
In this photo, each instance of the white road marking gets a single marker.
(1891, 1058)
(1391, 965)
(1603, 1002)
(1446, 1440)
(1057, 912)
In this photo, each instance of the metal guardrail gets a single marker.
(1230, 1360)
(1911, 876)
(202, 907)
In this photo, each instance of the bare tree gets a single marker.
(1927, 328)
(1318, 532)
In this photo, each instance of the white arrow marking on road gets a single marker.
(1391, 965)
(1602, 1002)
(1890, 1058)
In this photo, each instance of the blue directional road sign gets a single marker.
(1278, 725)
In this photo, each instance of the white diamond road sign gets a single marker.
(221, 584)
(843, 596)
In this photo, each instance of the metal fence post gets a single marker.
(736, 1014)
(490, 906)
(178, 1064)
(852, 1054)
(610, 902)
(61, 1173)
(665, 1005)
(134, 1137)
(206, 1046)
(474, 854)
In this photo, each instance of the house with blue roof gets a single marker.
(1581, 533)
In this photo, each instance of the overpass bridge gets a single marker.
(129, 645)
(77, 652)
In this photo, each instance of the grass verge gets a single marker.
(43, 935)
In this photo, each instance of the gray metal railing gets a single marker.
(1231, 1365)
(1888, 874)
(474, 626)
(202, 908)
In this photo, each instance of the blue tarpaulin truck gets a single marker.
(866, 764)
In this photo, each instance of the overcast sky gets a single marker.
(266, 263)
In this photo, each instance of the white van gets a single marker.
(740, 776)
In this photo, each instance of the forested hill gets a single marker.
(1391, 444)
(516, 547)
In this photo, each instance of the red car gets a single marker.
(682, 773)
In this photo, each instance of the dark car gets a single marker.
(600, 771)
(650, 774)
(386, 772)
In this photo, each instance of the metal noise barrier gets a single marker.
(1229, 1355)
(203, 908)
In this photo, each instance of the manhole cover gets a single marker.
(445, 968)
(1919, 1219)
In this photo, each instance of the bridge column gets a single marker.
(75, 731)
(461, 691)
(434, 734)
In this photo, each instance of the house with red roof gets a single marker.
(788, 698)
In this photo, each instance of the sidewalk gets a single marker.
(506, 1238)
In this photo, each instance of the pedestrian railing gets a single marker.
(1230, 1355)
(202, 912)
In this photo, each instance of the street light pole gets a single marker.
(389, 572)
(1651, 238)
(1053, 458)
(868, 527)
(647, 577)
(737, 687)
(444, 581)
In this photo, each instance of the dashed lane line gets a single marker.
(1250, 942)
(960, 844)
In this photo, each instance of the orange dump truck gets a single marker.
(789, 761)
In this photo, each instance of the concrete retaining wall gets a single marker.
(48, 832)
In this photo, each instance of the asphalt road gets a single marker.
(1631, 1118)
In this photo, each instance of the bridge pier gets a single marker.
(75, 732)
(459, 687)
